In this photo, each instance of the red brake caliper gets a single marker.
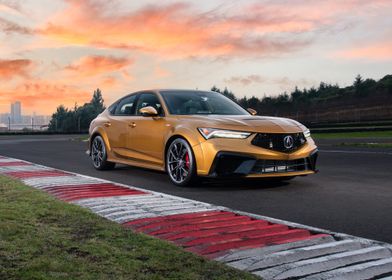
(187, 160)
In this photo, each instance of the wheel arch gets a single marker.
(168, 142)
(98, 131)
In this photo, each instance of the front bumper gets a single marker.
(235, 157)
(228, 164)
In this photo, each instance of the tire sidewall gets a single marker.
(192, 170)
(102, 166)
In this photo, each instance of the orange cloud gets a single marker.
(14, 67)
(109, 82)
(44, 95)
(176, 30)
(161, 72)
(95, 65)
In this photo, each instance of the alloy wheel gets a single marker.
(179, 161)
(98, 152)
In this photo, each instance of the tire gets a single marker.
(99, 155)
(180, 163)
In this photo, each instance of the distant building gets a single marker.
(16, 112)
(5, 118)
(3, 127)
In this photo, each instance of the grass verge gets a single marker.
(44, 238)
(363, 134)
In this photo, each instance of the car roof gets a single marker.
(176, 89)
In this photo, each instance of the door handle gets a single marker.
(107, 124)
(132, 124)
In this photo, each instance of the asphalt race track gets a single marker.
(352, 193)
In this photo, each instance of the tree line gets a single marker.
(77, 119)
(325, 100)
(307, 105)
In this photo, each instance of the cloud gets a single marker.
(14, 67)
(43, 94)
(9, 27)
(246, 80)
(284, 83)
(161, 72)
(178, 30)
(95, 65)
(10, 7)
(373, 51)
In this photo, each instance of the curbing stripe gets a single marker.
(5, 169)
(233, 256)
(9, 160)
(363, 271)
(14, 163)
(35, 173)
(316, 265)
(266, 246)
(283, 257)
(69, 180)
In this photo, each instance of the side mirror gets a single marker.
(148, 111)
(252, 111)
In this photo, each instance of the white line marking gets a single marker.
(356, 152)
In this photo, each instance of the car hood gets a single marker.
(262, 124)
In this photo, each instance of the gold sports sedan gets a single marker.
(193, 134)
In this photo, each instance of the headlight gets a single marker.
(219, 133)
(307, 133)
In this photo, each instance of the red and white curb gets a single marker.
(271, 248)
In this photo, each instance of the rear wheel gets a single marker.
(99, 155)
(180, 163)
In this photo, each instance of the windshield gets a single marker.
(200, 103)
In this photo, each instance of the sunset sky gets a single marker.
(56, 52)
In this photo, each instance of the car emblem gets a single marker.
(288, 142)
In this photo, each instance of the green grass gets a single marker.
(363, 134)
(366, 145)
(44, 238)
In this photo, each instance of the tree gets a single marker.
(79, 118)
(229, 94)
(97, 101)
(214, 88)
(358, 83)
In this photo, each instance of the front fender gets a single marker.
(192, 136)
(99, 131)
(195, 139)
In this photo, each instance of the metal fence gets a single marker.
(23, 127)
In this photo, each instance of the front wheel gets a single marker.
(99, 155)
(180, 163)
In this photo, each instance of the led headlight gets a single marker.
(209, 133)
(307, 133)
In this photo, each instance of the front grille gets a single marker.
(276, 141)
(280, 166)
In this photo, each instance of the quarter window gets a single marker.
(126, 107)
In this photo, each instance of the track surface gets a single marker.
(351, 194)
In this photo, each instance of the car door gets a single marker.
(147, 134)
(119, 125)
